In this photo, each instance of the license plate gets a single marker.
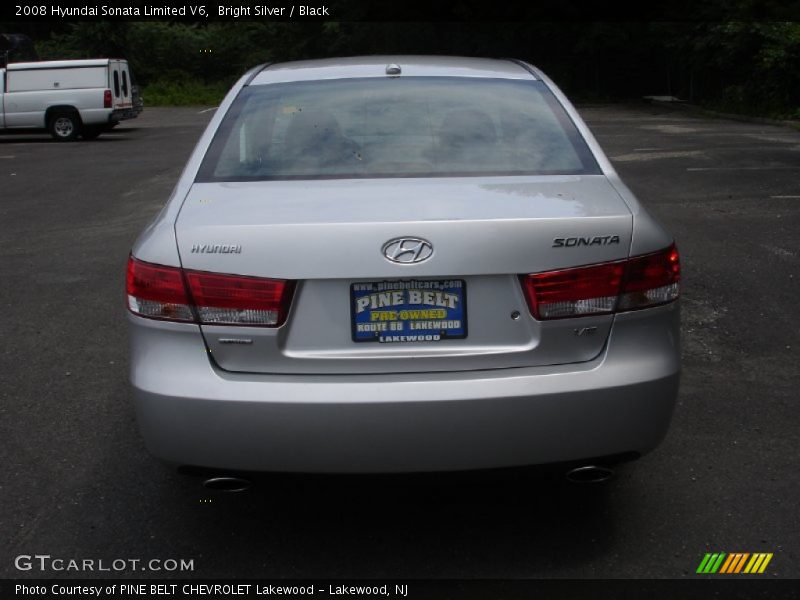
(408, 311)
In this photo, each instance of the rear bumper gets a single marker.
(192, 413)
(122, 114)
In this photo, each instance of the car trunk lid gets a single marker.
(328, 235)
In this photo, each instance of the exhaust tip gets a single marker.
(227, 484)
(590, 474)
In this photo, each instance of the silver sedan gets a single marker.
(398, 264)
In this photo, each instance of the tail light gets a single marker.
(107, 99)
(638, 282)
(157, 292)
(651, 279)
(170, 293)
(236, 300)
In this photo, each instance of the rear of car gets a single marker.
(401, 264)
(122, 88)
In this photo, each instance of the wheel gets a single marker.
(64, 127)
(91, 133)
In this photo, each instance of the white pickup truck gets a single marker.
(68, 98)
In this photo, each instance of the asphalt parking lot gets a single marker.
(78, 483)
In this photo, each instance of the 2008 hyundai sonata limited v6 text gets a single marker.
(393, 264)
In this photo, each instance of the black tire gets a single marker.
(92, 133)
(64, 126)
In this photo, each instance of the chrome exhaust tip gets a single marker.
(590, 474)
(227, 484)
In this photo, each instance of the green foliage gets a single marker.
(183, 91)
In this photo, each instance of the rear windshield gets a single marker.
(395, 127)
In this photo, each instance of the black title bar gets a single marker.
(407, 10)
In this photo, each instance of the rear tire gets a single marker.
(64, 126)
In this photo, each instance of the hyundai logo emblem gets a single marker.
(407, 250)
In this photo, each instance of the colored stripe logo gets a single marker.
(734, 563)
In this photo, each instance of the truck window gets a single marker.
(116, 84)
(124, 83)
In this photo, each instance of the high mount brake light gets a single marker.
(638, 282)
(170, 293)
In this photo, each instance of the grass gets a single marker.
(183, 92)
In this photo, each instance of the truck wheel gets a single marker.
(64, 127)
(91, 133)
